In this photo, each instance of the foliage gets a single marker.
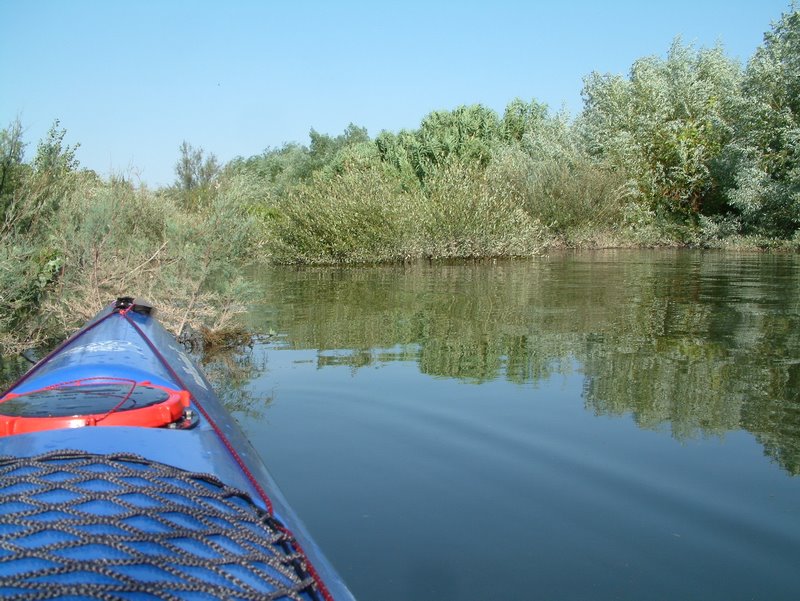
(324, 150)
(34, 191)
(12, 169)
(279, 169)
(194, 169)
(196, 175)
(53, 158)
(72, 242)
(665, 123)
(521, 118)
(355, 216)
(363, 214)
(464, 215)
(468, 134)
(556, 181)
(764, 159)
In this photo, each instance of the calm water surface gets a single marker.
(611, 425)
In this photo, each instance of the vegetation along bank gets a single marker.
(691, 149)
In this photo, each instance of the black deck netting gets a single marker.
(75, 526)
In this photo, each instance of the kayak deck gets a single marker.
(121, 525)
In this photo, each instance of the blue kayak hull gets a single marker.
(130, 345)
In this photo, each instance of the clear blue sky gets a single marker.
(131, 80)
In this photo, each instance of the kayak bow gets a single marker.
(122, 476)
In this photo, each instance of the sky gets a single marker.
(130, 81)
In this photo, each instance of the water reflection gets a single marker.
(230, 371)
(11, 368)
(695, 343)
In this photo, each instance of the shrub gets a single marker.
(465, 215)
(103, 240)
(354, 216)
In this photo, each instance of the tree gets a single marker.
(468, 134)
(522, 117)
(53, 158)
(323, 150)
(31, 193)
(195, 173)
(193, 169)
(12, 169)
(666, 123)
(764, 158)
(293, 164)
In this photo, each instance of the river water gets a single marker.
(588, 426)
(599, 425)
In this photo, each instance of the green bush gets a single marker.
(464, 215)
(365, 215)
(356, 216)
(665, 124)
(558, 183)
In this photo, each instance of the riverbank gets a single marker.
(680, 153)
(72, 241)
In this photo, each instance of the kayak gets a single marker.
(122, 476)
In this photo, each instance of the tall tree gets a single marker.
(467, 133)
(522, 117)
(194, 169)
(765, 155)
(12, 150)
(666, 123)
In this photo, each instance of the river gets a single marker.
(594, 425)
(582, 426)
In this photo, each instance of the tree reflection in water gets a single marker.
(698, 343)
